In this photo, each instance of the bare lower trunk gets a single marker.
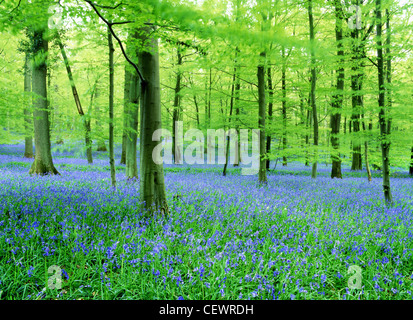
(224, 172)
(43, 162)
(28, 126)
(366, 159)
(411, 163)
(88, 140)
(152, 182)
(132, 136)
(384, 119)
(284, 107)
(313, 88)
(126, 97)
(262, 173)
(338, 98)
(176, 152)
(111, 97)
(77, 101)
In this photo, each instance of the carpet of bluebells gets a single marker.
(225, 238)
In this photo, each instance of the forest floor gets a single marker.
(225, 238)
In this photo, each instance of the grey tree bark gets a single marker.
(313, 88)
(132, 114)
(111, 98)
(43, 161)
(126, 99)
(384, 119)
(152, 182)
(176, 153)
(262, 173)
(337, 98)
(28, 126)
(86, 122)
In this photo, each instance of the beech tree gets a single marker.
(43, 162)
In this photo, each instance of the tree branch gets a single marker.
(110, 24)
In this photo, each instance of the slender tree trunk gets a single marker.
(197, 112)
(132, 120)
(86, 123)
(384, 119)
(237, 89)
(284, 106)
(43, 162)
(176, 152)
(270, 112)
(313, 88)
(152, 183)
(111, 98)
(126, 99)
(411, 163)
(28, 127)
(356, 163)
(366, 150)
(101, 147)
(224, 172)
(307, 136)
(338, 98)
(262, 173)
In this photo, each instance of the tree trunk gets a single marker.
(111, 98)
(238, 159)
(384, 120)
(43, 162)
(132, 118)
(411, 163)
(28, 127)
(176, 149)
(101, 147)
(356, 163)
(284, 106)
(224, 172)
(126, 99)
(132, 136)
(86, 122)
(262, 173)
(338, 98)
(152, 183)
(366, 149)
(270, 112)
(313, 88)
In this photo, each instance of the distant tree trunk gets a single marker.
(262, 173)
(197, 112)
(111, 98)
(338, 97)
(132, 116)
(43, 162)
(356, 100)
(411, 163)
(313, 88)
(237, 89)
(28, 127)
(270, 112)
(224, 172)
(307, 136)
(284, 106)
(133, 121)
(366, 149)
(86, 122)
(126, 98)
(176, 152)
(152, 183)
(384, 119)
(101, 147)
